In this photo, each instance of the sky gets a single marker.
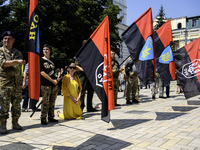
(172, 8)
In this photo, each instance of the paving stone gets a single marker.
(171, 123)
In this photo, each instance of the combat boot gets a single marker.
(3, 126)
(44, 121)
(15, 124)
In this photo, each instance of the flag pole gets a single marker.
(123, 61)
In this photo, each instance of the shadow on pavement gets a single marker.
(193, 102)
(98, 142)
(137, 112)
(126, 123)
(168, 115)
(88, 115)
(17, 146)
(183, 108)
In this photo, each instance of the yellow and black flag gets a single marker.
(139, 39)
(95, 59)
(165, 64)
(34, 51)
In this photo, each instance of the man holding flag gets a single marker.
(164, 56)
(10, 82)
(139, 39)
(97, 51)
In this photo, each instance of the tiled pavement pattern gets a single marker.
(172, 123)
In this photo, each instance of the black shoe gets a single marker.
(117, 105)
(91, 110)
(168, 96)
(161, 97)
(44, 121)
(52, 120)
(153, 97)
(128, 102)
(135, 101)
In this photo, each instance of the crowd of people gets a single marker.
(72, 85)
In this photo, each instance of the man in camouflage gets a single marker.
(115, 70)
(10, 82)
(132, 81)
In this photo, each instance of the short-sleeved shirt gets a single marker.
(48, 67)
(10, 75)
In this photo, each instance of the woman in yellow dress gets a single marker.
(71, 90)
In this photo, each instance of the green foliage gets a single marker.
(160, 19)
(64, 24)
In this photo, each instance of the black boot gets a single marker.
(128, 102)
(134, 101)
(52, 120)
(43, 121)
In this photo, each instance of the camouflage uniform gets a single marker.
(49, 95)
(10, 84)
(49, 91)
(115, 69)
(132, 80)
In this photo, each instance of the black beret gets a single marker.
(7, 33)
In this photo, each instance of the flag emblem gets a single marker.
(192, 69)
(166, 56)
(98, 75)
(147, 50)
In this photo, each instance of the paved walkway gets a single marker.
(172, 123)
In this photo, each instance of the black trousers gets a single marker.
(86, 86)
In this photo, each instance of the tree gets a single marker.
(64, 24)
(4, 16)
(160, 19)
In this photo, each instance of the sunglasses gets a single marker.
(72, 68)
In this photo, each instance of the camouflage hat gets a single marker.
(7, 33)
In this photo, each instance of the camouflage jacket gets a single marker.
(115, 68)
(10, 75)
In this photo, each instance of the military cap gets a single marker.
(7, 33)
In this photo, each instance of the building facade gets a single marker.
(123, 7)
(122, 27)
(185, 30)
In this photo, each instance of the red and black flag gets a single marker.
(187, 60)
(164, 55)
(95, 59)
(34, 51)
(139, 38)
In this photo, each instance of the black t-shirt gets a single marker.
(48, 67)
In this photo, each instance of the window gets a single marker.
(179, 26)
(176, 45)
(194, 22)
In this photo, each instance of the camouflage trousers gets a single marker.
(49, 95)
(131, 87)
(116, 88)
(10, 96)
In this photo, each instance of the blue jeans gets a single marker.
(26, 98)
